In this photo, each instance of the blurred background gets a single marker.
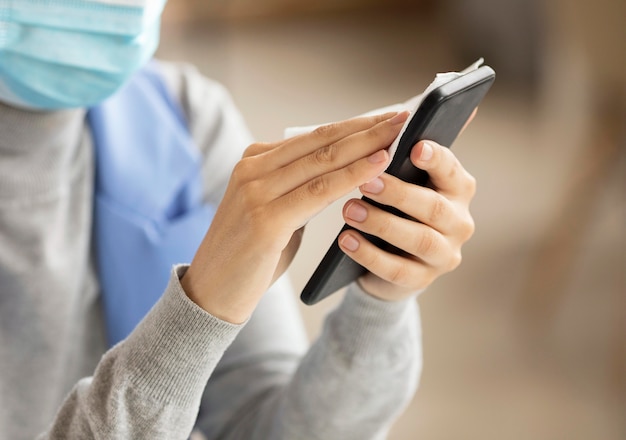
(527, 339)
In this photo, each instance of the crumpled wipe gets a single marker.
(411, 105)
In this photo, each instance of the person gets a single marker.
(222, 352)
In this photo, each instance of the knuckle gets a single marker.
(256, 148)
(242, 170)
(327, 131)
(384, 226)
(402, 197)
(374, 133)
(352, 173)
(470, 184)
(453, 171)
(465, 227)
(426, 243)
(455, 260)
(370, 260)
(325, 155)
(437, 210)
(400, 275)
(318, 186)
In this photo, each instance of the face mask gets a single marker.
(73, 53)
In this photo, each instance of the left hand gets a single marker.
(432, 244)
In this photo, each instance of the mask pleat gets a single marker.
(71, 53)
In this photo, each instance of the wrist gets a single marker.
(202, 291)
(384, 291)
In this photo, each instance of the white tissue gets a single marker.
(411, 105)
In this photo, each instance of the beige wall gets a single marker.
(202, 9)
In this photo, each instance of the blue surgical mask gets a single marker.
(73, 53)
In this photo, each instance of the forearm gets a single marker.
(150, 385)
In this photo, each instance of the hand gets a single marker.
(432, 243)
(273, 191)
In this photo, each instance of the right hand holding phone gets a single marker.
(431, 241)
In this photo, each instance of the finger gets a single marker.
(421, 203)
(414, 238)
(262, 158)
(399, 270)
(300, 146)
(445, 171)
(307, 200)
(334, 157)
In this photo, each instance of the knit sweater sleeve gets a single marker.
(149, 386)
(349, 384)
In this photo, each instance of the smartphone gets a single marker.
(440, 117)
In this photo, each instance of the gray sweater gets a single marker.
(181, 368)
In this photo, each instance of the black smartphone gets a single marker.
(440, 117)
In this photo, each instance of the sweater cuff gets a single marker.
(174, 350)
(369, 330)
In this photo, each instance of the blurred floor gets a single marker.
(495, 368)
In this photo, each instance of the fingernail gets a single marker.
(356, 212)
(350, 243)
(375, 186)
(378, 157)
(399, 118)
(427, 151)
